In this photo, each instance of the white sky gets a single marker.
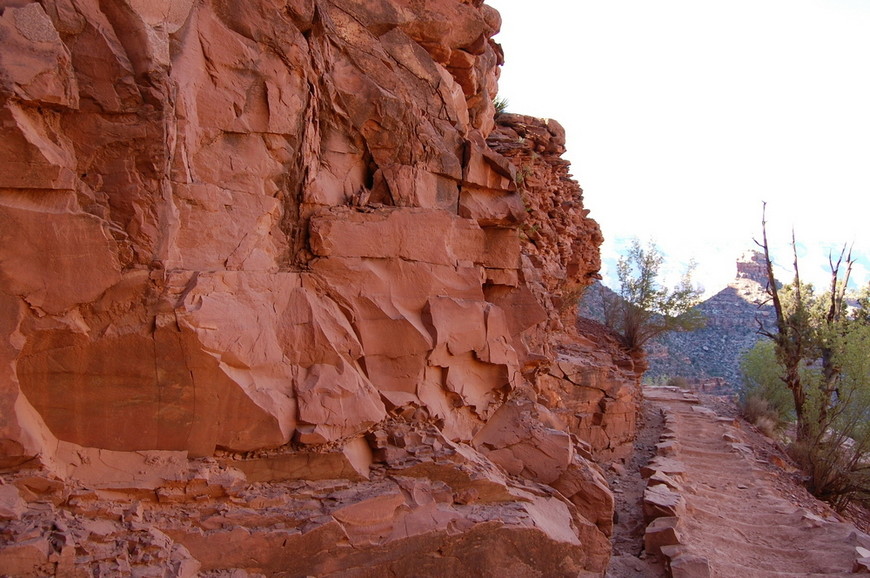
(683, 115)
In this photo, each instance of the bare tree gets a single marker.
(791, 327)
(799, 339)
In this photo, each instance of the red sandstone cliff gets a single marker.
(581, 372)
(269, 302)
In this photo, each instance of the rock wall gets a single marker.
(578, 368)
(269, 302)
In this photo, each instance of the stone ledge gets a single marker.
(663, 504)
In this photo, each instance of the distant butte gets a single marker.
(710, 356)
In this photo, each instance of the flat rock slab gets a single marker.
(670, 466)
(659, 501)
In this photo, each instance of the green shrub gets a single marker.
(762, 382)
(835, 452)
(644, 308)
(500, 104)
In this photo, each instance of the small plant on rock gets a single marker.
(500, 103)
(523, 172)
(678, 381)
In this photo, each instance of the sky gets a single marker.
(683, 116)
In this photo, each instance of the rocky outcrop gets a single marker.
(270, 302)
(580, 370)
(710, 357)
(594, 388)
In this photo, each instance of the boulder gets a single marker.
(659, 501)
(662, 531)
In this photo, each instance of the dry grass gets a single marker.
(758, 411)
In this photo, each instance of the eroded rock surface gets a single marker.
(271, 303)
(580, 370)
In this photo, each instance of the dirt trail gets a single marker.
(737, 519)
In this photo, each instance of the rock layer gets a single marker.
(259, 250)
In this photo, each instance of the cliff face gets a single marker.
(580, 371)
(260, 266)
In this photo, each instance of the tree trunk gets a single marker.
(787, 338)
